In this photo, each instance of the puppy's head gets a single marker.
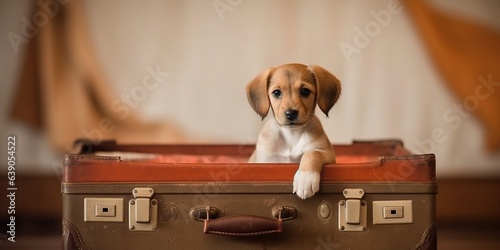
(292, 91)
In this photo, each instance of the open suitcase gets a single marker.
(377, 196)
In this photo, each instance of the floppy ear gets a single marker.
(257, 93)
(328, 88)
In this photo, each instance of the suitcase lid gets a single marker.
(366, 161)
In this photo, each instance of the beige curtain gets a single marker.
(62, 89)
(467, 55)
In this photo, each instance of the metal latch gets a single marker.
(353, 210)
(143, 211)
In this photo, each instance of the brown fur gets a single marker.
(295, 134)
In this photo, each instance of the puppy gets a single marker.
(295, 134)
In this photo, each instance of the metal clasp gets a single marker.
(143, 211)
(284, 213)
(353, 210)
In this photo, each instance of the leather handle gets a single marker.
(243, 225)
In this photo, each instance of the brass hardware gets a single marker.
(324, 210)
(285, 213)
(200, 214)
(143, 211)
(103, 209)
(352, 211)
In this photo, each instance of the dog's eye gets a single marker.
(305, 92)
(277, 93)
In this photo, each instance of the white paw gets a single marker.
(306, 183)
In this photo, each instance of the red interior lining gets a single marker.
(181, 158)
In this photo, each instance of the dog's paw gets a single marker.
(306, 183)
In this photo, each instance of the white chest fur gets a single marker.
(283, 144)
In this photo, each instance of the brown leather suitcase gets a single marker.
(377, 196)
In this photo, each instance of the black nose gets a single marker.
(291, 114)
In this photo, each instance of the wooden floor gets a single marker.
(473, 237)
(452, 238)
